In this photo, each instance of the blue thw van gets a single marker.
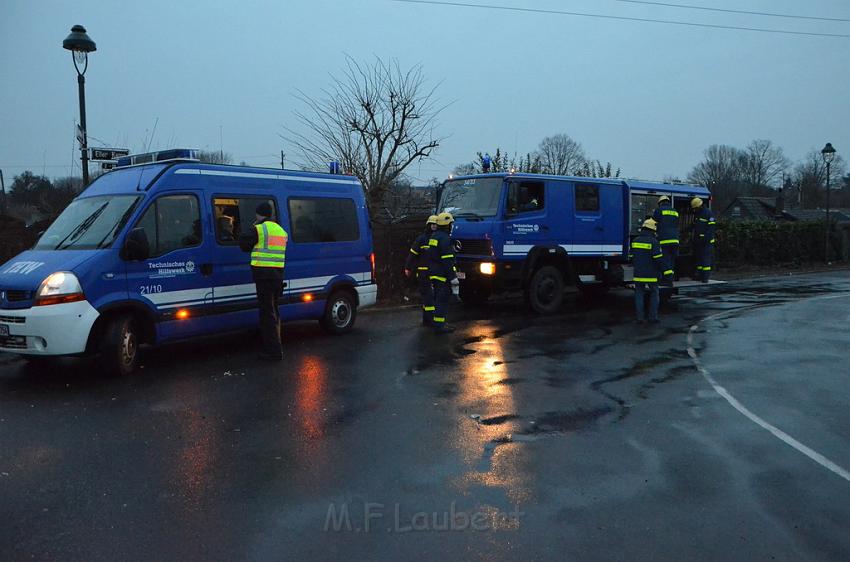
(149, 253)
(539, 233)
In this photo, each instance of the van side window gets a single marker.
(526, 197)
(171, 223)
(235, 216)
(323, 220)
(587, 198)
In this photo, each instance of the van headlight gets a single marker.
(58, 288)
(487, 268)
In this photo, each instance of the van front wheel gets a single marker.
(340, 312)
(120, 345)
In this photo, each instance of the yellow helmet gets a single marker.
(696, 203)
(650, 224)
(445, 219)
(431, 220)
(663, 198)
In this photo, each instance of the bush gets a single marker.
(769, 243)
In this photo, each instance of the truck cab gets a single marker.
(540, 233)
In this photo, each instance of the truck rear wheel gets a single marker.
(545, 291)
(340, 312)
(120, 345)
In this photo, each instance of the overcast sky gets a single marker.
(648, 97)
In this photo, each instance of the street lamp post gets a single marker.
(828, 154)
(80, 45)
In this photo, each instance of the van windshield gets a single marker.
(474, 197)
(89, 223)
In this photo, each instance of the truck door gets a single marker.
(599, 219)
(235, 292)
(173, 279)
(526, 216)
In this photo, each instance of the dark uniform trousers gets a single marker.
(426, 292)
(268, 300)
(442, 297)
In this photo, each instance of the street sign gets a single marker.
(108, 153)
(107, 165)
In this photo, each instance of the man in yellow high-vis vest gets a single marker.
(267, 243)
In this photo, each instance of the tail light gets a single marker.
(372, 260)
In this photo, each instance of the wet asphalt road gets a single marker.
(580, 436)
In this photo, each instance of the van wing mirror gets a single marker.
(136, 246)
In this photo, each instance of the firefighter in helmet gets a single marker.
(441, 269)
(648, 262)
(417, 265)
(667, 220)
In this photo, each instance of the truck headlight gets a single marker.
(487, 268)
(58, 288)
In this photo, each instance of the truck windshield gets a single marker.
(88, 223)
(476, 196)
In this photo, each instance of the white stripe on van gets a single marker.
(250, 175)
(226, 293)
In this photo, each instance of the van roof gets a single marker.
(140, 178)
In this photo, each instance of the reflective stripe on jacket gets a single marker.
(270, 250)
(441, 257)
(417, 258)
(668, 224)
(646, 257)
(705, 227)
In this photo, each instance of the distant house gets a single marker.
(755, 209)
(836, 216)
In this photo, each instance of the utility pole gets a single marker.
(3, 190)
(282, 159)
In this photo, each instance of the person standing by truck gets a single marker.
(267, 243)
(417, 264)
(667, 219)
(441, 269)
(703, 239)
(648, 262)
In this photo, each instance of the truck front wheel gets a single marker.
(545, 291)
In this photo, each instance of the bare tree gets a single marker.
(376, 120)
(721, 172)
(763, 164)
(561, 155)
(810, 179)
(215, 157)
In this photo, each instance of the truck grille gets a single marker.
(474, 247)
(12, 319)
(13, 295)
(13, 342)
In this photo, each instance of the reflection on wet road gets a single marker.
(601, 433)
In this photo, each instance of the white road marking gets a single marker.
(778, 433)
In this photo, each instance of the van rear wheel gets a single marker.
(545, 291)
(120, 345)
(340, 312)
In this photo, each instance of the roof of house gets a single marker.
(753, 207)
(835, 215)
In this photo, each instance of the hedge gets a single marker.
(769, 243)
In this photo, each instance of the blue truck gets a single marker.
(541, 233)
(149, 253)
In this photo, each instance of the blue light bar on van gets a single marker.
(172, 154)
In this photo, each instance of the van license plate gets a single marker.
(461, 275)
(4, 330)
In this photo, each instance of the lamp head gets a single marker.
(828, 153)
(79, 41)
